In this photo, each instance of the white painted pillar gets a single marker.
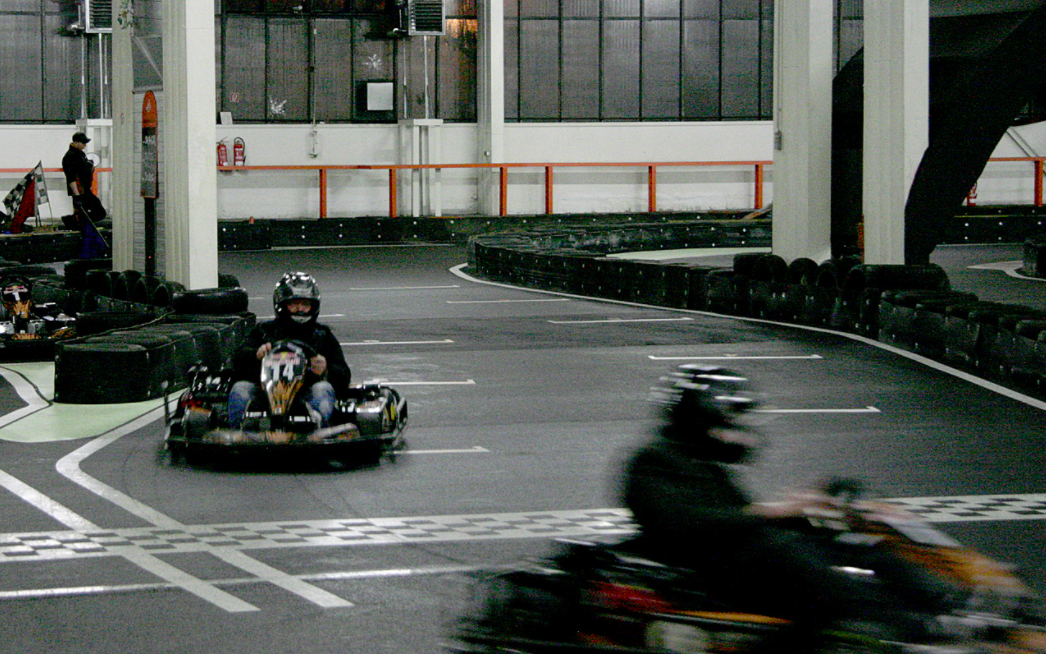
(491, 100)
(190, 184)
(896, 118)
(121, 206)
(803, 129)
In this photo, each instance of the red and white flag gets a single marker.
(21, 202)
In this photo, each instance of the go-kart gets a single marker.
(28, 330)
(368, 422)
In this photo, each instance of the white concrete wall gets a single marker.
(1013, 182)
(354, 193)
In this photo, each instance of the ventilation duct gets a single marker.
(425, 17)
(98, 16)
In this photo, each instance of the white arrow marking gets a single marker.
(1011, 268)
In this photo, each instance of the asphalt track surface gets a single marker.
(522, 405)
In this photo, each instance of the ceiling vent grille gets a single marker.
(98, 16)
(426, 17)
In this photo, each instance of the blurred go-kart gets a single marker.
(368, 422)
(615, 597)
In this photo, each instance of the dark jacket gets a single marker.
(316, 336)
(676, 496)
(77, 166)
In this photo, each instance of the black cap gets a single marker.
(80, 137)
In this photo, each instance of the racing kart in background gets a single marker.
(367, 425)
(29, 330)
(615, 597)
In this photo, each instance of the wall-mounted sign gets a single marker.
(150, 148)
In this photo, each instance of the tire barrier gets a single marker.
(857, 308)
(767, 288)
(76, 271)
(914, 320)
(123, 284)
(1034, 257)
(104, 373)
(821, 296)
(134, 363)
(911, 307)
(210, 301)
(91, 323)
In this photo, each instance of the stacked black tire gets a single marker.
(912, 307)
(145, 336)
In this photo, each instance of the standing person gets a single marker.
(296, 300)
(79, 173)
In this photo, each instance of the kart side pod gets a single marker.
(376, 409)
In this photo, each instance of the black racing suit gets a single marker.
(695, 514)
(318, 337)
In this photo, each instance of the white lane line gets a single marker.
(202, 589)
(69, 466)
(867, 409)
(322, 315)
(279, 578)
(46, 504)
(402, 288)
(616, 320)
(736, 357)
(133, 554)
(26, 390)
(458, 271)
(346, 575)
(375, 342)
(467, 382)
(555, 299)
(475, 449)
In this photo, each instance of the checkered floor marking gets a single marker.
(378, 531)
(971, 508)
(314, 533)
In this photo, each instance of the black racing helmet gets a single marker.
(702, 407)
(296, 286)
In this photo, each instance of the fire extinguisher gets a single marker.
(239, 152)
(971, 197)
(223, 153)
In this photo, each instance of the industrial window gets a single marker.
(638, 59)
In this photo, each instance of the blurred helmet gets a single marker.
(702, 408)
(296, 286)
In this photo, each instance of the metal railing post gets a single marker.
(758, 186)
(1038, 182)
(651, 183)
(503, 191)
(323, 192)
(548, 190)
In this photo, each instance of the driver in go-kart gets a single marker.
(296, 300)
(694, 512)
